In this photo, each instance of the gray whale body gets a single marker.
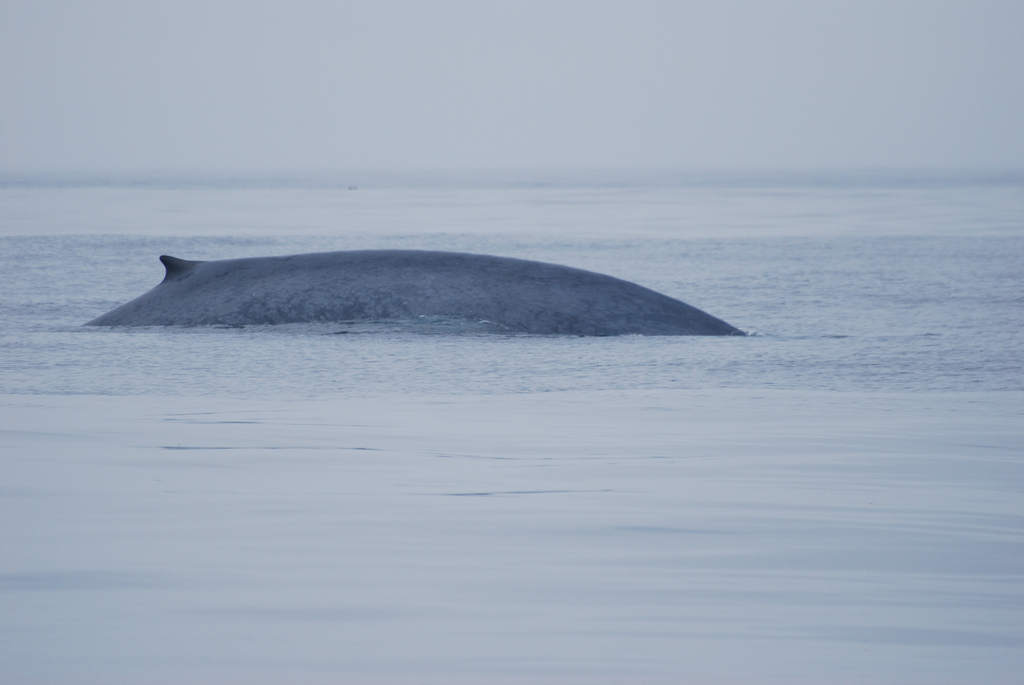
(516, 295)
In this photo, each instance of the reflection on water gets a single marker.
(650, 533)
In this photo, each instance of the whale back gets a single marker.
(371, 285)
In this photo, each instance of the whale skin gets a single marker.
(514, 295)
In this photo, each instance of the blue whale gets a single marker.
(514, 295)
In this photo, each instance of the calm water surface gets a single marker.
(835, 498)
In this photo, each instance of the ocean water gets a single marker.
(836, 497)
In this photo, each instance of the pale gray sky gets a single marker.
(272, 86)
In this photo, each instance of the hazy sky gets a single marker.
(305, 86)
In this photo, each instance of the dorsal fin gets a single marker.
(177, 268)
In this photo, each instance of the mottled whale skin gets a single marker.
(516, 295)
